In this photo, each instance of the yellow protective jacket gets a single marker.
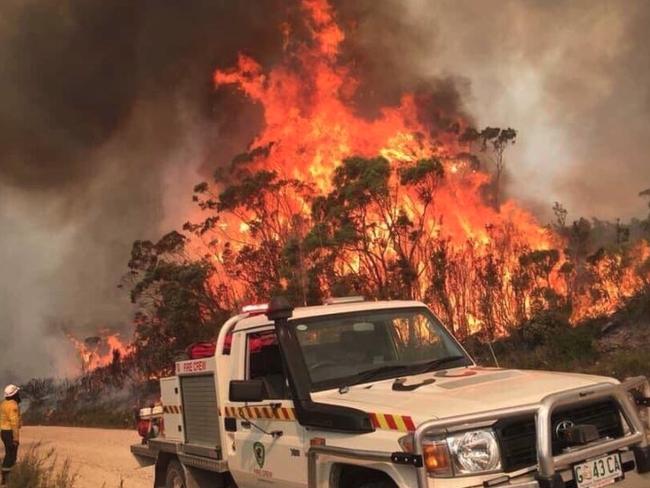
(10, 417)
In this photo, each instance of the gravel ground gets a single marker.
(100, 456)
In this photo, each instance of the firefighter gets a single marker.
(10, 428)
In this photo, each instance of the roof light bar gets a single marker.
(340, 300)
(259, 308)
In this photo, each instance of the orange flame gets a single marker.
(311, 126)
(98, 351)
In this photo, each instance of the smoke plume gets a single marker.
(572, 76)
(107, 118)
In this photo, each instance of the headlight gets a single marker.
(464, 453)
(473, 452)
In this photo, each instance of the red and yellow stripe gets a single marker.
(277, 413)
(387, 421)
(175, 409)
(383, 421)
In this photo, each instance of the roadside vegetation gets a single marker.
(106, 397)
(614, 345)
(39, 468)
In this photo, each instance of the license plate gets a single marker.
(599, 472)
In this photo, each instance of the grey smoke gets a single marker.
(108, 117)
(572, 76)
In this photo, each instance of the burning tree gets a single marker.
(326, 201)
(98, 351)
(178, 302)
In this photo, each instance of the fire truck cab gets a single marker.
(359, 394)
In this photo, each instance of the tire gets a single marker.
(175, 477)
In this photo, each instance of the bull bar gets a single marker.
(548, 475)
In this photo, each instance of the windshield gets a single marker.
(347, 349)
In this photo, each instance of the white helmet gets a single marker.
(11, 390)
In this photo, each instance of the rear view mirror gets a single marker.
(363, 327)
(247, 391)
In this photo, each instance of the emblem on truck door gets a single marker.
(259, 451)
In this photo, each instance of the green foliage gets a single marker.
(183, 313)
(425, 175)
(183, 297)
(248, 157)
(358, 181)
(543, 259)
(250, 193)
(495, 137)
(341, 216)
(572, 345)
(363, 223)
(176, 304)
(420, 171)
(38, 468)
(625, 364)
(493, 141)
(541, 329)
(570, 350)
(549, 343)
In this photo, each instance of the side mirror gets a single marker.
(247, 391)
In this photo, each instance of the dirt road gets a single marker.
(100, 456)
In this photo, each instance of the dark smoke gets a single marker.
(108, 117)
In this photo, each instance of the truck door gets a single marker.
(269, 444)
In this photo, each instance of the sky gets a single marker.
(108, 117)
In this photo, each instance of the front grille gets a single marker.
(518, 438)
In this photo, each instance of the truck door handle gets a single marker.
(245, 424)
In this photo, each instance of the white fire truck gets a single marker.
(358, 394)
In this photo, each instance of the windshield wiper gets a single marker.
(374, 373)
(399, 383)
(389, 369)
(435, 364)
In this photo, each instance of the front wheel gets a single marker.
(175, 477)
